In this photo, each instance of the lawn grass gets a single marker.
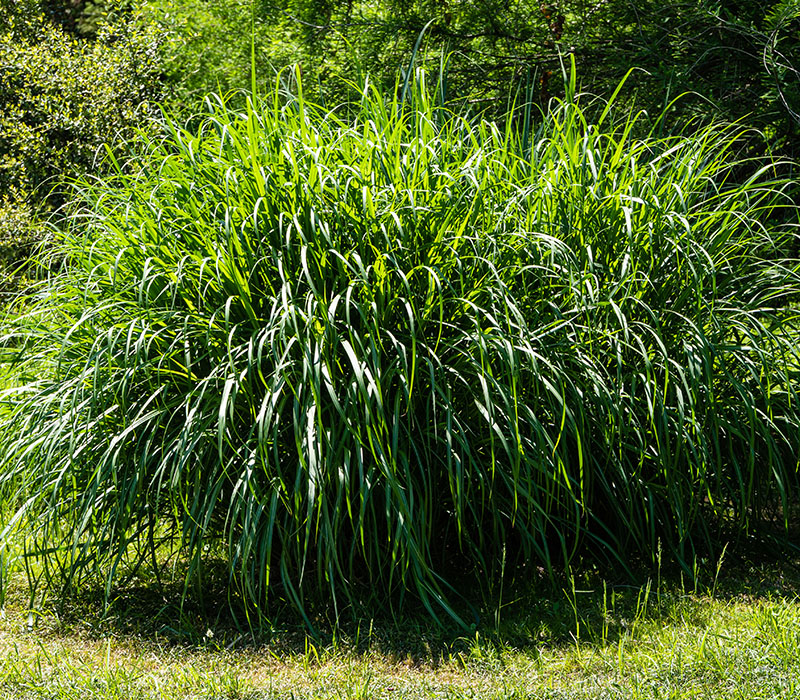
(736, 636)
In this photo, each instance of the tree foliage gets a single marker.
(737, 59)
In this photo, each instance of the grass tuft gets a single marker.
(360, 352)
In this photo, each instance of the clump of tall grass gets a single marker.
(362, 352)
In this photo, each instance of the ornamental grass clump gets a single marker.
(362, 352)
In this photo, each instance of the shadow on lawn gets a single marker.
(533, 614)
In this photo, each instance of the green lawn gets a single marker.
(738, 638)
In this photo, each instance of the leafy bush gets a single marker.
(20, 235)
(61, 99)
(359, 350)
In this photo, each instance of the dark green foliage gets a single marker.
(353, 352)
(62, 98)
(20, 235)
(780, 54)
(739, 58)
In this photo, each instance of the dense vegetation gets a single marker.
(62, 98)
(357, 337)
(354, 347)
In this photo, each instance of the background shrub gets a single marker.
(361, 351)
(736, 59)
(20, 235)
(62, 99)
